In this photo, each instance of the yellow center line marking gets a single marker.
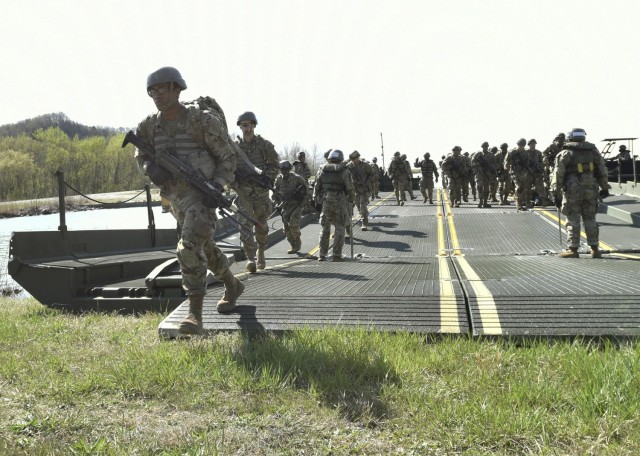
(449, 318)
(486, 305)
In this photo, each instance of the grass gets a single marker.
(107, 384)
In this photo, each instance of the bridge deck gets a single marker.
(433, 269)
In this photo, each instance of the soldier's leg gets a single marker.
(423, 189)
(429, 191)
(396, 190)
(338, 243)
(323, 240)
(262, 209)
(294, 229)
(197, 228)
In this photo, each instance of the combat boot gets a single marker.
(251, 267)
(261, 260)
(571, 252)
(595, 252)
(425, 198)
(193, 323)
(365, 224)
(233, 288)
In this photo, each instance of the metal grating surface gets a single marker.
(387, 294)
(547, 295)
(504, 232)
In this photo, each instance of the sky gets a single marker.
(424, 75)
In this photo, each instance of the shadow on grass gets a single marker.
(336, 366)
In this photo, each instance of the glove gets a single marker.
(210, 201)
(604, 193)
(157, 174)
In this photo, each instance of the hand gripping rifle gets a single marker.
(210, 194)
(296, 195)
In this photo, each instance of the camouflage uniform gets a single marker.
(255, 198)
(579, 170)
(375, 188)
(361, 176)
(445, 181)
(535, 157)
(408, 181)
(504, 179)
(428, 169)
(493, 185)
(291, 191)
(549, 159)
(198, 138)
(333, 189)
(519, 165)
(455, 168)
(468, 179)
(484, 170)
(398, 174)
(301, 168)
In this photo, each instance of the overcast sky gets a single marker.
(335, 74)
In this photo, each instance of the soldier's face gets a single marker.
(164, 95)
(247, 126)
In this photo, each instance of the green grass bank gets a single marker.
(108, 385)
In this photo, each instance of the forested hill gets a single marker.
(58, 120)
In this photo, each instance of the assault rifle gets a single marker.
(261, 180)
(296, 195)
(212, 197)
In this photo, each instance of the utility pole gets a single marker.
(382, 147)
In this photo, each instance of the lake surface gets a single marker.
(99, 219)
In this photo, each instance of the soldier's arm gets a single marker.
(271, 160)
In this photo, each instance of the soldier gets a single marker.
(579, 170)
(537, 169)
(468, 179)
(201, 140)
(623, 153)
(504, 179)
(334, 191)
(408, 181)
(518, 166)
(362, 177)
(301, 168)
(445, 181)
(398, 174)
(376, 178)
(428, 169)
(484, 170)
(455, 168)
(253, 196)
(549, 159)
(493, 185)
(290, 196)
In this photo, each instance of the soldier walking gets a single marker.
(253, 196)
(579, 170)
(455, 168)
(484, 170)
(334, 191)
(429, 170)
(398, 174)
(518, 165)
(290, 196)
(376, 178)
(549, 160)
(468, 179)
(408, 180)
(504, 179)
(362, 177)
(176, 129)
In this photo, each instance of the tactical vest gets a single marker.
(331, 178)
(581, 158)
(183, 145)
(427, 167)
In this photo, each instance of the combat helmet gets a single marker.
(427, 155)
(166, 74)
(336, 155)
(577, 134)
(285, 164)
(354, 154)
(251, 117)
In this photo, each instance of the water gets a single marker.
(100, 219)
